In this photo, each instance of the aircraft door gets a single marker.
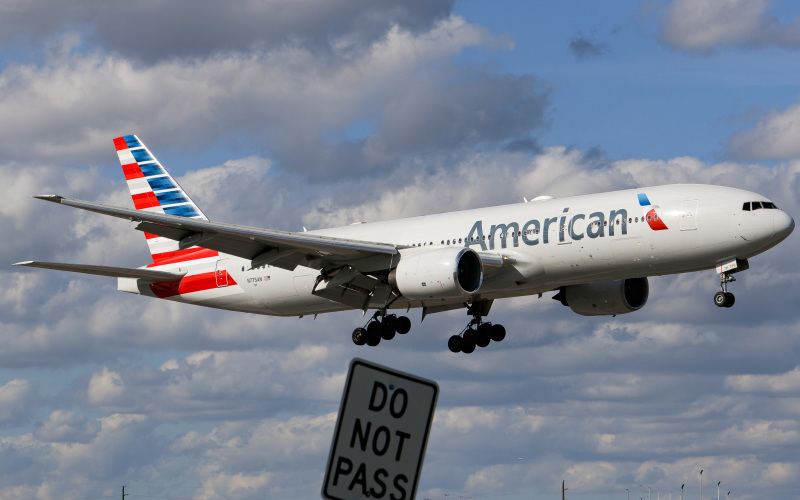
(221, 273)
(689, 215)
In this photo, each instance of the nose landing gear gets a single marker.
(724, 298)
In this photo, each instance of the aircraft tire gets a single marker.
(359, 336)
(403, 325)
(483, 335)
(498, 333)
(730, 299)
(389, 322)
(467, 347)
(374, 334)
(721, 299)
(455, 343)
(387, 331)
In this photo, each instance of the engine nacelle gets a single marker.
(605, 298)
(444, 273)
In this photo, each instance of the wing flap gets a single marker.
(112, 272)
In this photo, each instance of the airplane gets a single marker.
(595, 251)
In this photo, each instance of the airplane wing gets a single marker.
(114, 272)
(262, 246)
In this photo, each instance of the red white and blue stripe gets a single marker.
(653, 220)
(153, 189)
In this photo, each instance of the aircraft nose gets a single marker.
(783, 224)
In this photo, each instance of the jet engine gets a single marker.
(605, 298)
(444, 273)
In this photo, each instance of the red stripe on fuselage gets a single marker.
(132, 171)
(177, 256)
(189, 284)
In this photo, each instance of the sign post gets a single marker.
(381, 433)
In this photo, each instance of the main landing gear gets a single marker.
(381, 326)
(476, 333)
(724, 298)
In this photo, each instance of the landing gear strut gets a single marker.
(724, 298)
(476, 333)
(381, 326)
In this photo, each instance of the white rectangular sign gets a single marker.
(381, 433)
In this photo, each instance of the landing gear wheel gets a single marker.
(387, 330)
(498, 333)
(390, 323)
(467, 347)
(721, 299)
(455, 343)
(359, 336)
(403, 325)
(483, 335)
(731, 299)
(374, 334)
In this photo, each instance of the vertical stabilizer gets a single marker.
(154, 190)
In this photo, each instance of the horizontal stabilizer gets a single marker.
(113, 272)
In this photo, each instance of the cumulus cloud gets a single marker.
(773, 138)
(296, 101)
(167, 29)
(705, 25)
(17, 400)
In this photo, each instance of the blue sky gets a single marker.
(322, 113)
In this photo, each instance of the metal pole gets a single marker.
(684, 484)
(649, 497)
(701, 484)
(628, 492)
(718, 483)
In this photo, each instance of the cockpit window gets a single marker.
(758, 205)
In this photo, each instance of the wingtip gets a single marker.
(23, 263)
(49, 197)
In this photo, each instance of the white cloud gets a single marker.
(17, 400)
(704, 25)
(293, 99)
(773, 138)
(783, 383)
(67, 427)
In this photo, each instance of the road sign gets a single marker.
(381, 433)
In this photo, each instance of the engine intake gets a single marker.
(605, 298)
(444, 273)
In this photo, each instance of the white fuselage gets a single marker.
(545, 245)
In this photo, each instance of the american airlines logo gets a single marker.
(567, 226)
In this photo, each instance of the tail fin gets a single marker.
(154, 190)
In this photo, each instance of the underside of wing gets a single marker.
(113, 272)
(261, 246)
